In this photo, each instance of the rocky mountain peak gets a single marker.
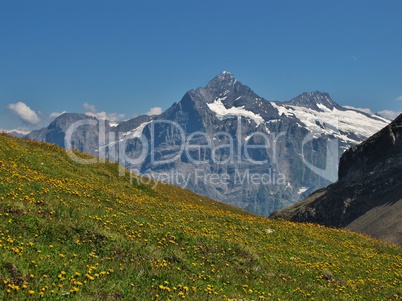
(225, 75)
(314, 100)
(66, 119)
(225, 80)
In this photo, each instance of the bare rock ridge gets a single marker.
(313, 100)
(367, 198)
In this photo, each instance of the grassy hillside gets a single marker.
(81, 232)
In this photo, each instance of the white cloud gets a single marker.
(102, 115)
(389, 114)
(24, 112)
(56, 114)
(89, 107)
(365, 110)
(399, 98)
(154, 111)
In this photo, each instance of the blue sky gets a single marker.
(126, 57)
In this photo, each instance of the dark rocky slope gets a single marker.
(367, 198)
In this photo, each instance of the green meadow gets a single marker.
(71, 231)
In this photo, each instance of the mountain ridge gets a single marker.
(313, 100)
(239, 135)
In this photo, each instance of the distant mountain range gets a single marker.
(226, 142)
(367, 197)
(16, 133)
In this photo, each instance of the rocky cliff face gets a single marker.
(84, 139)
(367, 197)
(226, 142)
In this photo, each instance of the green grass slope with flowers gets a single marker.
(71, 231)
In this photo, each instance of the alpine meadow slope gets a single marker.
(226, 142)
(72, 231)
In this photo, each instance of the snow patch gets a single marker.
(248, 137)
(323, 107)
(137, 132)
(302, 190)
(381, 118)
(222, 112)
(273, 120)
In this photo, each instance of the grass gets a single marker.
(82, 232)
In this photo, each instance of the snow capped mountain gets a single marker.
(223, 82)
(321, 115)
(314, 100)
(226, 142)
